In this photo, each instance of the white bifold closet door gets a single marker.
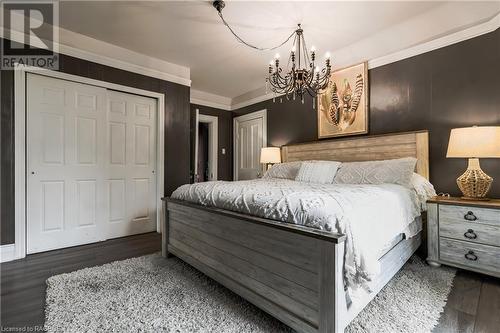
(91, 156)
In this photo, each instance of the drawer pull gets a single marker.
(470, 216)
(470, 234)
(470, 256)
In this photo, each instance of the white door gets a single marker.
(130, 165)
(250, 136)
(69, 138)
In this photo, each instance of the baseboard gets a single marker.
(7, 252)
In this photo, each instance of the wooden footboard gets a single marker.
(291, 272)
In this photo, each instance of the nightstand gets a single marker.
(464, 234)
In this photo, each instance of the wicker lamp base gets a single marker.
(474, 183)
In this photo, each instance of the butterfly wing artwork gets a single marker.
(342, 110)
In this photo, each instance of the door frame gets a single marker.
(213, 145)
(20, 143)
(236, 120)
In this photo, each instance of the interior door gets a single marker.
(250, 138)
(130, 164)
(91, 154)
(65, 128)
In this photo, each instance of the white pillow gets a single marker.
(397, 171)
(321, 172)
(424, 189)
(287, 170)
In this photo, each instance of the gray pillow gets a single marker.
(321, 172)
(397, 171)
(287, 170)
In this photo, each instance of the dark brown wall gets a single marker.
(7, 158)
(177, 127)
(455, 86)
(225, 139)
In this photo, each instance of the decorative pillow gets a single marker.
(287, 170)
(322, 172)
(424, 189)
(397, 171)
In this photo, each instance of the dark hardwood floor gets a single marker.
(23, 281)
(473, 305)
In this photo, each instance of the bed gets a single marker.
(293, 272)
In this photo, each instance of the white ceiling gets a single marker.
(190, 33)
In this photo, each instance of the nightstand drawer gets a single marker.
(449, 213)
(482, 257)
(470, 232)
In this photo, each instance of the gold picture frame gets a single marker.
(343, 106)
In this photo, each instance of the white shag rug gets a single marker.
(153, 294)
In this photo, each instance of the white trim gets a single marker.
(20, 163)
(20, 144)
(249, 116)
(127, 66)
(211, 100)
(103, 53)
(213, 148)
(457, 37)
(254, 100)
(438, 43)
(196, 128)
(7, 252)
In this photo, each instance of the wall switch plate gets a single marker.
(223, 151)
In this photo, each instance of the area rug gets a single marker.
(153, 294)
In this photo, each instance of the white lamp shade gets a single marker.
(474, 142)
(270, 155)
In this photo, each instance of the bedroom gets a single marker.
(377, 181)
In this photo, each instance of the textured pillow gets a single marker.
(287, 170)
(398, 171)
(424, 189)
(322, 172)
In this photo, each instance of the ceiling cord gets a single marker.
(219, 5)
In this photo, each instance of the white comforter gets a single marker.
(369, 215)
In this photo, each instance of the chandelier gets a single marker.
(301, 75)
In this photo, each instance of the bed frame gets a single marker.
(292, 272)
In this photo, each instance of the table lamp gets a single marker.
(474, 143)
(270, 155)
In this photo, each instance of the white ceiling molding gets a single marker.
(259, 95)
(251, 97)
(80, 46)
(87, 48)
(210, 100)
(438, 43)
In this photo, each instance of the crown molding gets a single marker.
(491, 25)
(457, 37)
(253, 100)
(83, 47)
(211, 100)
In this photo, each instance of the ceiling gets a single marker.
(190, 33)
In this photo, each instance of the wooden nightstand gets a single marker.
(464, 234)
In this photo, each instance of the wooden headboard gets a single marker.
(365, 148)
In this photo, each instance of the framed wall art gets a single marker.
(343, 106)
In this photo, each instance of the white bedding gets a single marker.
(369, 215)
